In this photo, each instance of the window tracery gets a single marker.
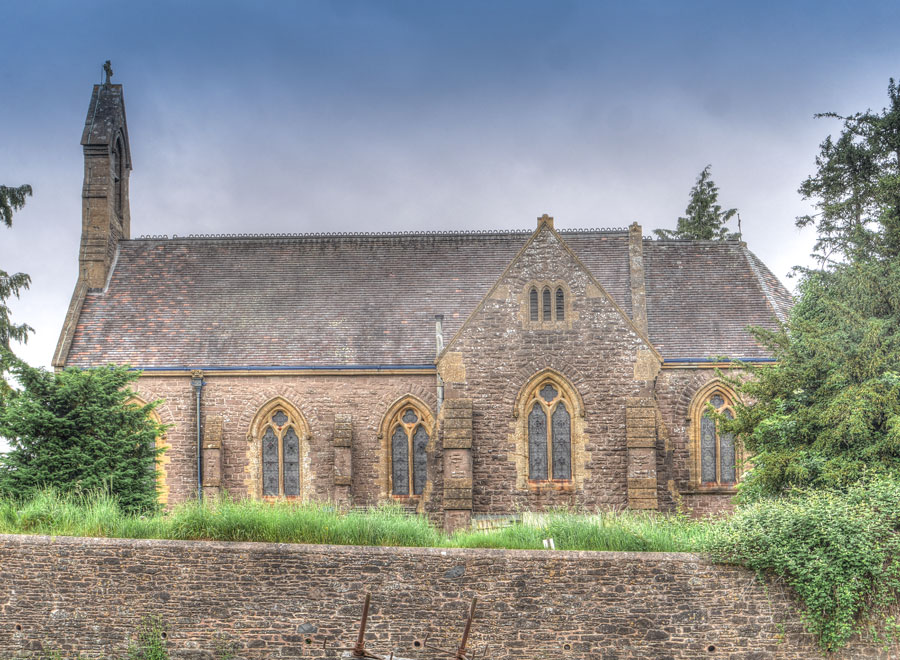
(716, 454)
(549, 433)
(408, 430)
(281, 435)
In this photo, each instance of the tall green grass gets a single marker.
(98, 515)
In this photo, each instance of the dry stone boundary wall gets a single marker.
(298, 601)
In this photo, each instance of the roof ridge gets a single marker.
(765, 286)
(378, 234)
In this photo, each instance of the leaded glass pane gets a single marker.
(560, 305)
(279, 418)
(291, 453)
(717, 401)
(546, 301)
(420, 460)
(410, 417)
(726, 456)
(562, 443)
(400, 461)
(548, 393)
(707, 449)
(270, 462)
(537, 443)
(533, 303)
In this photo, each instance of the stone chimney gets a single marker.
(105, 214)
(636, 275)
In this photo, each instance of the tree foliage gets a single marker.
(11, 199)
(74, 430)
(828, 412)
(856, 187)
(704, 219)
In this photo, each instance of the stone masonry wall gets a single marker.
(500, 349)
(675, 390)
(295, 601)
(233, 401)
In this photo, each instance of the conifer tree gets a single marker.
(704, 219)
(856, 187)
(11, 199)
(827, 414)
(74, 431)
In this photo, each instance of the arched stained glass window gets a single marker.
(410, 431)
(549, 444)
(718, 465)
(546, 304)
(281, 471)
(560, 304)
(533, 303)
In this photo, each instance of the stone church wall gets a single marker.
(501, 349)
(235, 400)
(675, 391)
(295, 601)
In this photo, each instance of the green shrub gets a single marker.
(837, 550)
(74, 431)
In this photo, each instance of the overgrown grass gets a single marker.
(284, 522)
(625, 531)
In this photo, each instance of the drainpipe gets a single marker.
(439, 346)
(197, 384)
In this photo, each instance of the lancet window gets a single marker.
(549, 433)
(409, 431)
(546, 304)
(718, 464)
(281, 470)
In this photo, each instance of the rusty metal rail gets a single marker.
(359, 649)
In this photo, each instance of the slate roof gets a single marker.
(366, 300)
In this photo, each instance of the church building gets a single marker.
(461, 374)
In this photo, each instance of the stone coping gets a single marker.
(310, 548)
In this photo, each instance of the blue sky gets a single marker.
(380, 116)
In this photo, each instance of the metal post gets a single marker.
(461, 651)
(359, 650)
(197, 384)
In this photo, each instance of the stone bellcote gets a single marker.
(105, 215)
